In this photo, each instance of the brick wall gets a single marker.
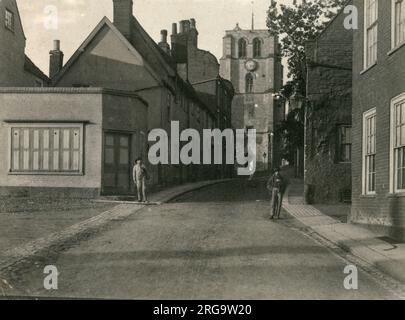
(374, 88)
(329, 90)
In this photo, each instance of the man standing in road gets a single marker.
(140, 175)
(277, 185)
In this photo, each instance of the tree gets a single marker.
(295, 25)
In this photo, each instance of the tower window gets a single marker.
(242, 48)
(249, 83)
(9, 20)
(257, 48)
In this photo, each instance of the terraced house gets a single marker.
(379, 116)
(82, 135)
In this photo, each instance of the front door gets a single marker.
(117, 169)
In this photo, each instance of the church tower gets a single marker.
(251, 61)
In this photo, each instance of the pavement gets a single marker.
(212, 243)
(387, 256)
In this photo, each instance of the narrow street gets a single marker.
(214, 243)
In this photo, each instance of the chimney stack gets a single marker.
(163, 42)
(184, 26)
(123, 16)
(55, 59)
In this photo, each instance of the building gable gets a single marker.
(107, 59)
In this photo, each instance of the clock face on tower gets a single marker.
(251, 65)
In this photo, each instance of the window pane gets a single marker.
(402, 129)
(124, 156)
(109, 140)
(109, 155)
(402, 119)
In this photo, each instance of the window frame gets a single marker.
(50, 125)
(372, 113)
(257, 48)
(398, 100)
(6, 20)
(249, 83)
(368, 27)
(242, 54)
(341, 144)
(394, 31)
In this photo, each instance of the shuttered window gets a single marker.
(46, 149)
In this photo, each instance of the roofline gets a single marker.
(40, 74)
(19, 18)
(331, 21)
(72, 90)
(103, 22)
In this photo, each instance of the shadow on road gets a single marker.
(240, 190)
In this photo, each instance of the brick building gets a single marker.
(379, 116)
(329, 114)
(16, 69)
(251, 61)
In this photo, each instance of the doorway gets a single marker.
(117, 168)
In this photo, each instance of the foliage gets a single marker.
(295, 25)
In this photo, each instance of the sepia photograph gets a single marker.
(202, 157)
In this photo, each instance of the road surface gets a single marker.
(215, 243)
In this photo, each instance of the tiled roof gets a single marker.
(30, 67)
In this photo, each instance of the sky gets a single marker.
(71, 21)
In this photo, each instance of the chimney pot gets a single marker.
(187, 26)
(55, 59)
(56, 45)
(163, 34)
(174, 28)
(182, 25)
(193, 23)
